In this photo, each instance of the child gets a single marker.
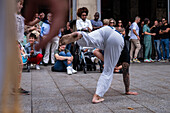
(35, 56)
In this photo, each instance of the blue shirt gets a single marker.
(28, 48)
(135, 27)
(45, 28)
(96, 23)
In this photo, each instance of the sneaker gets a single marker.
(136, 60)
(166, 60)
(147, 60)
(37, 67)
(159, 60)
(22, 91)
(162, 60)
(69, 70)
(74, 71)
(151, 60)
(131, 61)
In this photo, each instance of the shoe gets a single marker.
(22, 91)
(162, 60)
(74, 71)
(31, 65)
(166, 60)
(45, 64)
(37, 67)
(147, 61)
(136, 60)
(69, 70)
(151, 60)
(159, 60)
(131, 61)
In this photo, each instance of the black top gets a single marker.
(156, 30)
(165, 35)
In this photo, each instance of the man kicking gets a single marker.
(124, 60)
(107, 39)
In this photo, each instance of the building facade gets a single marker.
(122, 9)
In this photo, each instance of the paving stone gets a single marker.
(57, 92)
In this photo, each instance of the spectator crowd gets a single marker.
(145, 42)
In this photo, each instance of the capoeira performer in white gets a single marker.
(107, 39)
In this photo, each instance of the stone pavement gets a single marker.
(57, 92)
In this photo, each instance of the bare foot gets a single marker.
(66, 39)
(131, 93)
(97, 99)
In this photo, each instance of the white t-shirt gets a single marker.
(80, 24)
(135, 27)
(20, 27)
(98, 37)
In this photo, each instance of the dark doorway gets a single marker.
(117, 9)
(145, 9)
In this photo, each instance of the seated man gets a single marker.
(35, 56)
(63, 61)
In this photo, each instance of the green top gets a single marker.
(146, 29)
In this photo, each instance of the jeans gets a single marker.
(127, 44)
(61, 65)
(68, 46)
(165, 46)
(157, 47)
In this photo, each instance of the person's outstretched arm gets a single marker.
(59, 10)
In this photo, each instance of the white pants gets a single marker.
(112, 43)
(55, 44)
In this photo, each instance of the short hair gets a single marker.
(146, 20)
(114, 21)
(33, 35)
(106, 22)
(49, 14)
(96, 14)
(82, 10)
(136, 18)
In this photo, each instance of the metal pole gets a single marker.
(74, 9)
(168, 11)
(99, 7)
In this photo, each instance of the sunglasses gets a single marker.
(83, 15)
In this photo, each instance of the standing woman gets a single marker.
(83, 24)
(120, 28)
(112, 22)
(147, 41)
